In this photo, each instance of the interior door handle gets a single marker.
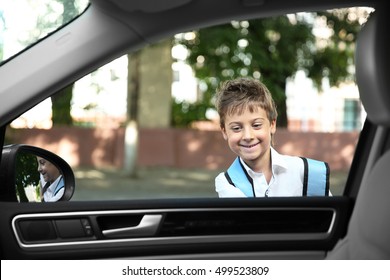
(147, 227)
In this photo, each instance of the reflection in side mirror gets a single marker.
(37, 179)
(36, 175)
(51, 183)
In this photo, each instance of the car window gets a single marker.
(24, 22)
(145, 126)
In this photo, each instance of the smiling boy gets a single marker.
(248, 122)
(52, 180)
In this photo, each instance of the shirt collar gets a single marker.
(54, 185)
(278, 162)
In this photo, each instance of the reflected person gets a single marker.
(52, 181)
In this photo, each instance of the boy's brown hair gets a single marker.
(235, 96)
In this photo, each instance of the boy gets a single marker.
(248, 122)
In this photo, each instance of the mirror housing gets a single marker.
(19, 167)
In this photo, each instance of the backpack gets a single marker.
(315, 178)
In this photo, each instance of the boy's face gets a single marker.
(249, 136)
(48, 170)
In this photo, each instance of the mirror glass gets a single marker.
(37, 179)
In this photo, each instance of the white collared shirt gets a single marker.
(287, 179)
(49, 195)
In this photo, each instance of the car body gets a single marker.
(352, 226)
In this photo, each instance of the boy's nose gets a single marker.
(248, 134)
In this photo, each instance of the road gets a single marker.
(111, 184)
(150, 183)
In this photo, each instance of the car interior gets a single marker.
(366, 232)
(353, 226)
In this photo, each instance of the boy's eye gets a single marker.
(235, 128)
(257, 125)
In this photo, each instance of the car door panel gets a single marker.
(193, 228)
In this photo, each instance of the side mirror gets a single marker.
(32, 174)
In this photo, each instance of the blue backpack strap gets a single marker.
(237, 173)
(315, 178)
(59, 186)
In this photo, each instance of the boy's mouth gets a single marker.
(249, 146)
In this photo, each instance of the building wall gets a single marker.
(178, 148)
(328, 110)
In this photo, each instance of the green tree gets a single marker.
(184, 113)
(26, 174)
(61, 106)
(272, 50)
(148, 95)
(61, 101)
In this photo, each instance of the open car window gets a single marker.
(144, 125)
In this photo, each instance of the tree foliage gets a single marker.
(26, 174)
(272, 50)
(184, 112)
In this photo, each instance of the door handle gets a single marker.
(147, 227)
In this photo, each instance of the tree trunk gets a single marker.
(61, 101)
(131, 133)
(61, 105)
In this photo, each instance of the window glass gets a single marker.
(152, 132)
(24, 22)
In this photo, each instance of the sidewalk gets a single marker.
(112, 184)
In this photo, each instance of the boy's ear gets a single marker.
(224, 133)
(273, 127)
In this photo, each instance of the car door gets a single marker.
(199, 228)
(302, 228)
(185, 228)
